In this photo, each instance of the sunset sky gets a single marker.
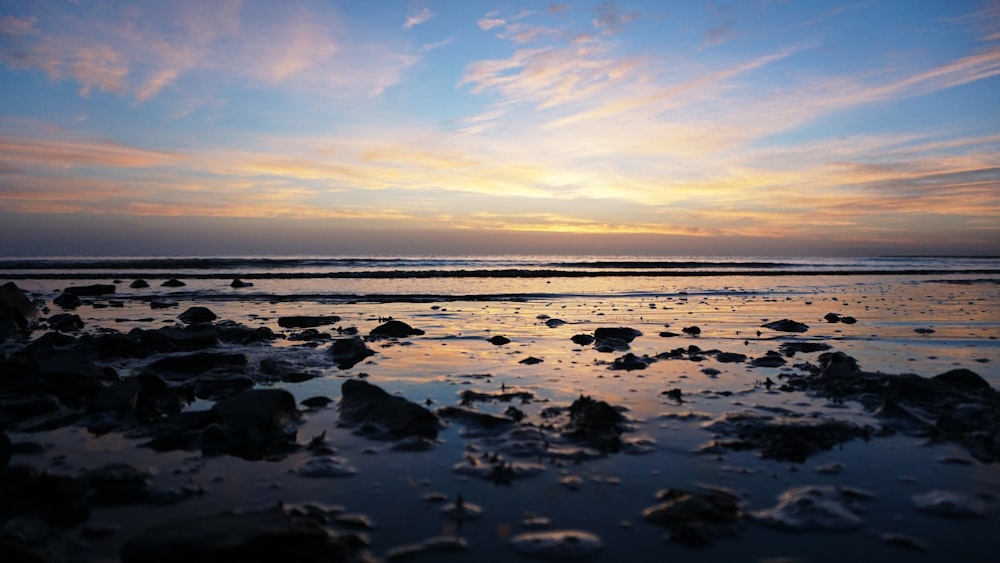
(398, 127)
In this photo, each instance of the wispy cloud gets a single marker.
(611, 18)
(422, 16)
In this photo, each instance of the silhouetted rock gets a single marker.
(692, 330)
(139, 284)
(394, 329)
(595, 423)
(238, 284)
(198, 362)
(65, 322)
(348, 352)
(963, 380)
(620, 333)
(307, 321)
(91, 290)
(499, 340)
(254, 423)
(582, 339)
(695, 519)
(67, 300)
(380, 415)
(786, 325)
(173, 282)
(17, 312)
(196, 315)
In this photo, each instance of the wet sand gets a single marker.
(669, 408)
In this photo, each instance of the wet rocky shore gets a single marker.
(505, 412)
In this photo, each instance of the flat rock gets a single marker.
(786, 325)
(951, 504)
(815, 508)
(394, 329)
(233, 537)
(562, 545)
(198, 362)
(307, 321)
(595, 423)
(326, 466)
(91, 290)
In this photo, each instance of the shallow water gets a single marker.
(454, 355)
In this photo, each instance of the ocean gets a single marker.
(704, 379)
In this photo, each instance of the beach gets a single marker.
(604, 409)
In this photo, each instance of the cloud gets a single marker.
(489, 23)
(611, 19)
(416, 19)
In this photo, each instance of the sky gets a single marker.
(758, 127)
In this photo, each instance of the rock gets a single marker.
(162, 303)
(553, 323)
(794, 347)
(428, 547)
(67, 301)
(239, 284)
(139, 284)
(563, 545)
(198, 362)
(786, 325)
(70, 371)
(256, 422)
(394, 329)
(582, 339)
(117, 483)
(497, 470)
(326, 466)
(631, 362)
(924, 331)
(531, 360)
(380, 415)
(65, 322)
(620, 333)
(284, 370)
(197, 315)
(348, 352)
(230, 331)
(951, 504)
(91, 290)
(815, 508)
(831, 318)
(848, 320)
(58, 500)
(173, 282)
(730, 358)
(307, 321)
(692, 330)
(770, 360)
(963, 380)
(608, 345)
(462, 511)
(499, 340)
(695, 518)
(479, 423)
(20, 313)
(232, 537)
(595, 423)
(792, 439)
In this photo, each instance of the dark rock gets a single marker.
(186, 339)
(786, 325)
(196, 315)
(139, 284)
(65, 322)
(173, 282)
(162, 303)
(394, 329)
(815, 508)
(582, 339)
(316, 402)
(238, 284)
(70, 371)
(348, 352)
(730, 358)
(284, 370)
(595, 423)
(254, 423)
(692, 330)
(67, 301)
(794, 347)
(695, 519)
(117, 483)
(924, 330)
(198, 362)
(832, 318)
(630, 362)
(792, 439)
(231, 331)
(499, 340)
(963, 380)
(469, 396)
(232, 537)
(531, 360)
(307, 321)
(17, 312)
(381, 415)
(91, 290)
(668, 334)
(619, 333)
(478, 422)
(770, 360)
(58, 500)
(5, 449)
(119, 397)
(848, 320)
